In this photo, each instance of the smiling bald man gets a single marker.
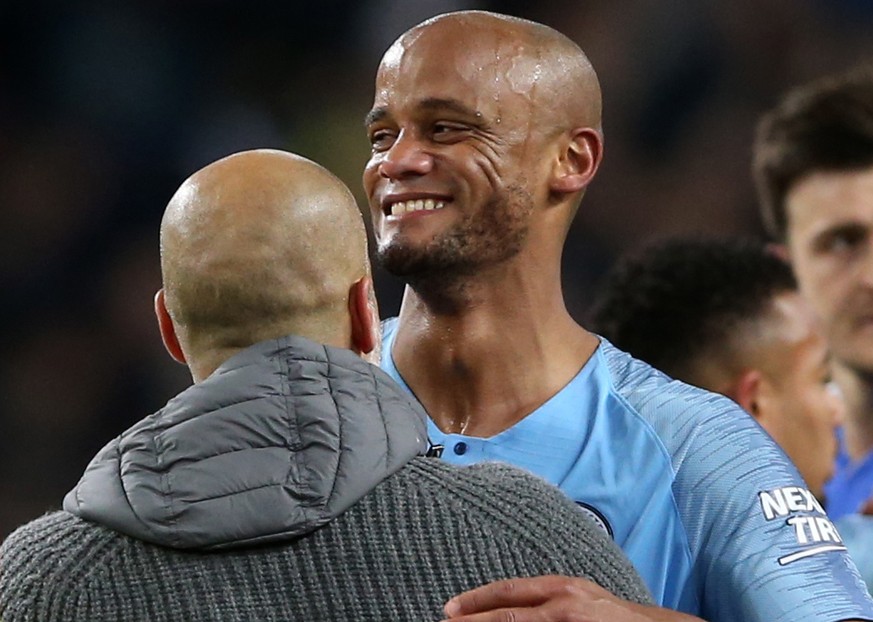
(485, 133)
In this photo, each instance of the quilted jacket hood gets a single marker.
(283, 437)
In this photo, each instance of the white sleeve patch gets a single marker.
(813, 530)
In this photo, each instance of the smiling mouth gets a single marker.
(414, 205)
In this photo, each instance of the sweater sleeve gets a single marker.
(562, 538)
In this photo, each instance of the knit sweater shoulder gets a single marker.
(286, 486)
(421, 536)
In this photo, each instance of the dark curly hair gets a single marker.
(682, 299)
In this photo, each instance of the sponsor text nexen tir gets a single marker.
(816, 530)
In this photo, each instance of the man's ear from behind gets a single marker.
(168, 329)
(364, 315)
(745, 390)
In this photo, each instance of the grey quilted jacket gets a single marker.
(286, 487)
(283, 437)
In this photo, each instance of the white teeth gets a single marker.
(416, 205)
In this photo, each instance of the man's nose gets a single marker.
(405, 158)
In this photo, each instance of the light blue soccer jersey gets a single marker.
(709, 510)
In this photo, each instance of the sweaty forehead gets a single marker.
(444, 61)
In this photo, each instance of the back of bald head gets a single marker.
(258, 245)
(567, 89)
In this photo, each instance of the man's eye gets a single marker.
(446, 131)
(381, 140)
(843, 240)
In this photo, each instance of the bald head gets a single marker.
(523, 95)
(549, 73)
(258, 245)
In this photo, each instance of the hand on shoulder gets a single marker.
(552, 598)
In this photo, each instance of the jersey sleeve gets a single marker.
(764, 548)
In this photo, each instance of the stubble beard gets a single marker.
(441, 269)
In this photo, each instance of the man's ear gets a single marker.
(779, 250)
(746, 390)
(168, 330)
(578, 162)
(364, 315)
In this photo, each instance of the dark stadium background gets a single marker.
(106, 107)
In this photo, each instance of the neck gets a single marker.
(203, 365)
(857, 389)
(503, 345)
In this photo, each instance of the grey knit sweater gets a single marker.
(397, 549)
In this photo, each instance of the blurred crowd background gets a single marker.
(105, 108)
